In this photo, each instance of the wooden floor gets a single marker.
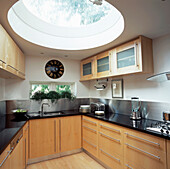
(76, 161)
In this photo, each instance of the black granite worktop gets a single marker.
(9, 126)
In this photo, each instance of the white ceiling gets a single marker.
(150, 18)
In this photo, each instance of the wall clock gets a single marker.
(54, 69)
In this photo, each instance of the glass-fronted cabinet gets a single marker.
(87, 69)
(128, 58)
(102, 64)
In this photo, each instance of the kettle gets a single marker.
(136, 106)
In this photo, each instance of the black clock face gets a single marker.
(54, 69)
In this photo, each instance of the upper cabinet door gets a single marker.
(87, 69)
(3, 41)
(103, 64)
(128, 58)
(11, 55)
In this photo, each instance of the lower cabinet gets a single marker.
(42, 137)
(144, 151)
(168, 154)
(5, 164)
(17, 156)
(90, 135)
(111, 145)
(54, 135)
(25, 144)
(70, 133)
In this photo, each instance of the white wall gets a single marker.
(137, 85)
(134, 85)
(19, 89)
(2, 89)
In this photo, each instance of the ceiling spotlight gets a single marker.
(96, 2)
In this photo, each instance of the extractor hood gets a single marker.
(161, 77)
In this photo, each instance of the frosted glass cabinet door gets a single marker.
(128, 58)
(103, 62)
(87, 67)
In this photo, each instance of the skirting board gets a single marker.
(49, 157)
(96, 159)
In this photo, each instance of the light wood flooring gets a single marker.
(75, 161)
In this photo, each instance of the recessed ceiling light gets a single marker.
(66, 56)
(41, 53)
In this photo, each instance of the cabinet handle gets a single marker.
(90, 143)
(143, 151)
(26, 128)
(90, 129)
(2, 61)
(90, 121)
(115, 130)
(54, 135)
(142, 139)
(128, 166)
(9, 152)
(110, 155)
(12, 67)
(136, 52)
(110, 137)
(21, 73)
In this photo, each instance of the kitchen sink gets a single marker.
(53, 113)
(46, 114)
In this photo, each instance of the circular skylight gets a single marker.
(66, 24)
(68, 12)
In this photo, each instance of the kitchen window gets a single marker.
(51, 86)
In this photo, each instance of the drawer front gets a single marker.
(110, 160)
(111, 130)
(140, 157)
(89, 122)
(128, 165)
(144, 141)
(4, 155)
(90, 147)
(111, 145)
(90, 135)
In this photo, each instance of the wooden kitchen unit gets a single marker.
(135, 56)
(168, 154)
(12, 59)
(70, 133)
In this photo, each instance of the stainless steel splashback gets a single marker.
(150, 110)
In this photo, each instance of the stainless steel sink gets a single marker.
(53, 113)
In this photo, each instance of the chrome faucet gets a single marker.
(42, 108)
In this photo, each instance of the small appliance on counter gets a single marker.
(99, 109)
(136, 105)
(85, 109)
(166, 116)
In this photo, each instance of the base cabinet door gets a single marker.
(42, 137)
(17, 156)
(5, 159)
(168, 154)
(70, 133)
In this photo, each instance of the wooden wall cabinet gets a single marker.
(70, 131)
(87, 69)
(135, 56)
(12, 60)
(103, 64)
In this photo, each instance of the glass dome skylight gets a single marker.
(66, 24)
(68, 12)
